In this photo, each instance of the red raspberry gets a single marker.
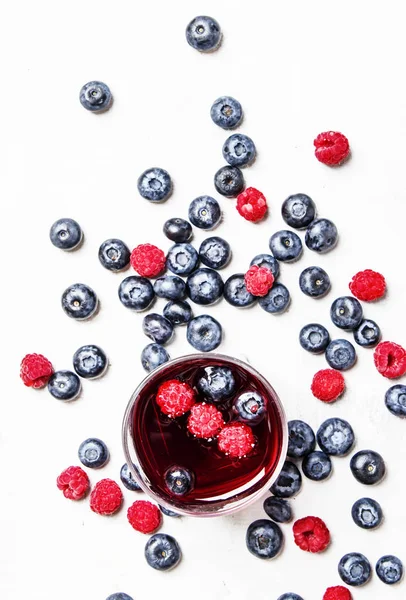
(236, 440)
(148, 260)
(205, 420)
(337, 592)
(332, 147)
(74, 483)
(328, 385)
(35, 370)
(175, 398)
(390, 359)
(106, 497)
(311, 534)
(368, 285)
(251, 204)
(144, 516)
(258, 280)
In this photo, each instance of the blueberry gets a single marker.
(79, 301)
(157, 328)
(321, 236)
(215, 252)
(95, 96)
(153, 356)
(162, 552)
(167, 512)
(93, 453)
(314, 282)
(340, 355)
(90, 361)
(64, 385)
(354, 569)
(216, 383)
(155, 184)
(346, 312)
(276, 300)
(367, 334)
(229, 181)
(335, 437)
(178, 230)
(278, 509)
(182, 259)
(204, 286)
(290, 596)
(203, 34)
(178, 313)
(286, 245)
(368, 467)
(236, 293)
(204, 212)
(250, 407)
(226, 112)
(114, 255)
(389, 569)
(136, 292)
(119, 596)
(170, 287)
(128, 480)
(66, 234)
(395, 400)
(301, 439)
(289, 481)
(317, 466)
(239, 150)
(266, 261)
(179, 481)
(314, 338)
(204, 333)
(264, 538)
(367, 513)
(298, 211)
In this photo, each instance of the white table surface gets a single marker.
(298, 68)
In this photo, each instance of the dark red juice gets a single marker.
(162, 442)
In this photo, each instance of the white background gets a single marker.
(298, 68)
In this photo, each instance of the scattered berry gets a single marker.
(335, 437)
(301, 439)
(148, 260)
(236, 293)
(144, 516)
(290, 596)
(175, 398)
(316, 466)
(368, 285)
(395, 400)
(203, 34)
(119, 596)
(338, 592)
(157, 328)
(346, 312)
(177, 312)
(250, 407)
(204, 333)
(367, 513)
(236, 440)
(90, 361)
(239, 150)
(96, 96)
(314, 282)
(354, 569)
(367, 334)
(321, 236)
(258, 280)
(79, 301)
(153, 356)
(390, 360)
(332, 148)
(215, 252)
(66, 234)
(74, 483)
(286, 245)
(128, 480)
(204, 212)
(251, 204)
(368, 467)
(205, 420)
(64, 385)
(314, 338)
(155, 185)
(114, 255)
(93, 453)
(277, 300)
(35, 370)
(278, 509)
(106, 497)
(169, 513)
(216, 383)
(229, 181)
(162, 552)
(389, 569)
(298, 211)
(182, 259)
(170, 287)
(179, 481)
(226, 112)
(289, 481)
(311, 534)
(340, 355)
(177, 230)
(136, 293)
(264, 538)
(204, 286)
(327, 385)
(267, 261)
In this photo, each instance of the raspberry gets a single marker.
(332, 147)
(35, 370)
(205, 420)
(338, 592)
(148, 260)
(106, 497)
(327, 385)
(236, 440)
(390, 359)
(144, 516)
(251, 204)
(74, 483)
(368, 285)
(175, 398)
(258, 280)
(311, 534)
